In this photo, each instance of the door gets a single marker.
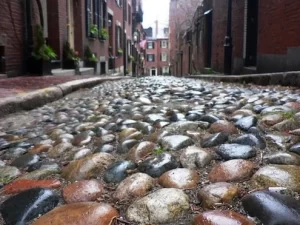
(153, 72)
(208, 39)
(71, 23)
(251, 37)
(2, 60)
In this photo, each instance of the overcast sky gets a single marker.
(156, 10)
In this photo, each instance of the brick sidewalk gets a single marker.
(19, 85)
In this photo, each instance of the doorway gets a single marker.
(251, 33)
(2, 60)
(71, 23)
(153, 72)
(208, 39)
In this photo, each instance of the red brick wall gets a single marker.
(11, 26)
(157, 51)
(57, 24)
(218, 33)
(279, 26)
(118, 16)
(238, 27)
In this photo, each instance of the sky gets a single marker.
(156, 10)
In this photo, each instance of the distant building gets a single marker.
(157, 56)
(166, 32)
(149, 32)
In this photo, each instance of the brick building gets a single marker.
(181, 14)
(264, 37)
(70, 21)
(157, 56)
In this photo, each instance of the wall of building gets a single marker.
(278, 39)
(11, 35)
(57, 25)
(157, 51)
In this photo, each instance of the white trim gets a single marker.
(151, 69)
(245, 28)
(118, 23)
(110, 11)
(45, 17)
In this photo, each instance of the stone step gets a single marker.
(62, 72)
(249, 70)
(86, 71)
(3, 76)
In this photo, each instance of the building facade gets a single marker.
(263, 33)
(157, 56)
(181, 22)
(104, 28)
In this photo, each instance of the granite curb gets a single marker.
(43, 96)
(283, 78)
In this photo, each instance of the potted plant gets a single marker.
(120, 51)
(42, 54)
(128, 71)
(70, 58)
(90, 60)
(131, 58)
(103, 34)
(93, 30)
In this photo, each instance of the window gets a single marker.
(164, 57)
(150, 58)
(150, 45)
(94, 16)
(164, 44)
(165, 70)
(119, 3)
(125, 10)
(104, 13)
(129, 14)
(118, 39)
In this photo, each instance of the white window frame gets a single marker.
(150, 43)
(164, 44)
(152, 58)
(165, 69)
(164, 57)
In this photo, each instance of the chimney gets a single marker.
(156, 28)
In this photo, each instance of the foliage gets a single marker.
(159, 151)
(288, 115)
(120, 51)
(94, 29)
(68, 52)
(42, 51)
(131, 58)
(104, 33)
(89, 56)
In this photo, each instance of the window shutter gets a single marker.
(161, 57)
(153, 45)
(98, 17)
(87, 17)
(153, 58)
(116, 39)
(161, 43)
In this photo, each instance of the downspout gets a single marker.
(124, 37)
(27, 33)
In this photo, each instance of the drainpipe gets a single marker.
(124, 37)
(27, 33)
(228, 42)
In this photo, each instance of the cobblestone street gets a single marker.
(156, 150)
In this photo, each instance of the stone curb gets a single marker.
(41, 97)
(284, 78)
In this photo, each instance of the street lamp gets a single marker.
(228, 42)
